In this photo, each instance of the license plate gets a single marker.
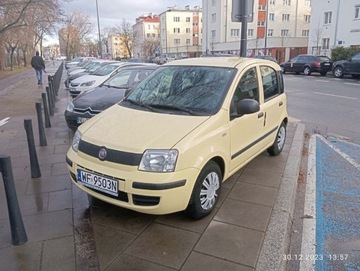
(327, 64)
(72, 89)
(97, 182)
(81, 120)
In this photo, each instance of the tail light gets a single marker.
(317, 64)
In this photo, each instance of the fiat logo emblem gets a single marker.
(102, 153)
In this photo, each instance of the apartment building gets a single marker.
(146, 36)
(279, 28)
(334, 23)
(115, 47)
(181, 32)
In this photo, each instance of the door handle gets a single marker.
(260, 115)
(281, 103)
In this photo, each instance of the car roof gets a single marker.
(230, 62)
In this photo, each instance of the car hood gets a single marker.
(341, 62)
(74, 76)
(89, 77)
(99, 98)
(132, 130)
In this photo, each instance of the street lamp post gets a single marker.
(98, 23)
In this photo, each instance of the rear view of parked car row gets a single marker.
(308, 64)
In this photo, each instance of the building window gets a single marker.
(177, 19)
(149, 26)
(286, 2)
(213, 2)
(177, 41)
(272, 2)
(286, 17)
(284, 32)
(213, 17)
(153, 35)
(187, 41)
(187, 30)
(327, 17)
(234, 32)
(307, 3)
(307, 18)
(250, 32)
(325, 43)
(188, 19)
(213, 33)
(148, 35)
(305, 33)
(271, 16)
(262, 7)
(357, 12)
(270, 32)
(176, 30)
(261, 23)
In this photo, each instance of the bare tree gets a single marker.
(77, 27)
(316, 37)
(126, 33)
(149, 47)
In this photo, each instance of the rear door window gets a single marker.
(270, 82)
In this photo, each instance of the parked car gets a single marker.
(350, 66)
(72, 63)
(87, 82)
(92, 69)
(307, 64)
(267, 57)
(94, 101)
(187, 127)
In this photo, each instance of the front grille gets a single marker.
(145, 200)
(87, 110)
(120, 157)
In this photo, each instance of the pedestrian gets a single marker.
(37, 62)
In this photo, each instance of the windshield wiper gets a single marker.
(173, 107)
(149, 107)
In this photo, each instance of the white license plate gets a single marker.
(81, 120)
(98, 182)
(72, 89)
(327, 64)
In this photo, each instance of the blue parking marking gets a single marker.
(337, 207)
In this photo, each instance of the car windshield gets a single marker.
(126, 78)
(192, 90)
(105, 70)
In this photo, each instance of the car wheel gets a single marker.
(338, 72)
(323, 73)
(279, 142)
(206, 191)
(307, 71)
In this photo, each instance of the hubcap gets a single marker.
(337, 72)
(281, 138)
(208, 193)
(306, 71)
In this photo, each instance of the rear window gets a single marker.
(323, 58)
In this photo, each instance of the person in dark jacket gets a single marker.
(37, 62)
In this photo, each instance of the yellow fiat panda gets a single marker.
(185, 129)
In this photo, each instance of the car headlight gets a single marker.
(76, 141)
(87, 84)
(159, 160)
(70, 107)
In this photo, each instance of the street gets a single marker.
(326, 105)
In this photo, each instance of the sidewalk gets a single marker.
(248, 231)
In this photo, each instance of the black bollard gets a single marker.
(46, 110)
(42, 136)
(51, 107)
(18, 233)
(34, 163)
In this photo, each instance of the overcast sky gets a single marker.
(112, 12)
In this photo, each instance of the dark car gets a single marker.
(92, 102)
(307, 64)
(267, 57)
(350, 66)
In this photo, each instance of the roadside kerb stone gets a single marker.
(277, 238)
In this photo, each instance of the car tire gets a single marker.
(206, 191)
(307, 71)
(282, 69)
(323, 73)
(279, 142)
(338, 72)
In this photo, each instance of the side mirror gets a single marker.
(247, 106)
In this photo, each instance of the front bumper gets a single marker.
(145, 192)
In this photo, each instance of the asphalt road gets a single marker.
(326, 105)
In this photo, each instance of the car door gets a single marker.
(300, 63)
(245, 130)
(273, 103)
(290, 64)
(354, 64)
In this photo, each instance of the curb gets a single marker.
(277, 238)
